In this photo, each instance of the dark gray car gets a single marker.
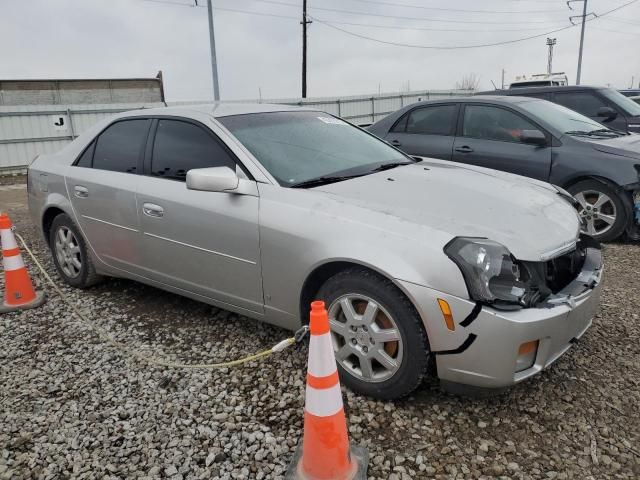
(602, 104)
(534, 138)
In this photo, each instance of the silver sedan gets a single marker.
(260, 209)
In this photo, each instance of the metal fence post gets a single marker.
(73, 131)
(339, 109)
(373, 110)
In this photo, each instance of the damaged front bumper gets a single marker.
(484, 349)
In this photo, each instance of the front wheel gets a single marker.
(601, 209)
(379, 341)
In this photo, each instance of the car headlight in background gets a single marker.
(490, 271)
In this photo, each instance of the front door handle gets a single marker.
(80, 191)
(396, 143)
(464, 149)
(152, 210)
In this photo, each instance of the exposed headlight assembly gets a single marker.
(492, 274)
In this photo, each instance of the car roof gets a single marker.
(557, 88)
(219, 110)
(496, 99)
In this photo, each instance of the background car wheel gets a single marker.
(381, 346)
(601, 208)
(70, 253)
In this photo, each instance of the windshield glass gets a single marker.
(561, 118)
(625, 103)
(296, 147)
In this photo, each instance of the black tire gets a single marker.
(416, 356)
(621, 216)
(87, 275)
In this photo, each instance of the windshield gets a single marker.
(296, 147)
(625, 103)
(561, 118)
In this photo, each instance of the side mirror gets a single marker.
(213, 179)
(534, 137)
(607, 113)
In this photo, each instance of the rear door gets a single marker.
(203, 242)
(588, 102)
(426, 131)
(489, 136)
(102, 188)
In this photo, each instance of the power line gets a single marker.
(459, 10)
(399, 17)
(460, 47)
(430, 29)
(441, 47)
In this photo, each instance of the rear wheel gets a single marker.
(70, 253)
(379, 340)
(601, 209)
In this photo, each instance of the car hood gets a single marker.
(625, 146)
(530, 218)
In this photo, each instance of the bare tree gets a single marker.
(468, 82)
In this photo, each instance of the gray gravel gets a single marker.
(73, 407)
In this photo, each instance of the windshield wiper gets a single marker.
(316, 182)
(390, 165)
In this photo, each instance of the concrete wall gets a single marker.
(79, 92)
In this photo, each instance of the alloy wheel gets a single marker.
(597, 211)
(365, 337)
(68, 252)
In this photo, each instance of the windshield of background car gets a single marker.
(625, 103)
(299, 146)
(559, 117)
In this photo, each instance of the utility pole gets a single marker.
(503, 79)
(550, 42)
(214, 62)
(304, 23)
(584, 21)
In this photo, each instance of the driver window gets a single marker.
(182, 146)
(493, 123)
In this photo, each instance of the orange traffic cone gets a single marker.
(325, 452)
(18, 289)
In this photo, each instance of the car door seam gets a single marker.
(200, 248)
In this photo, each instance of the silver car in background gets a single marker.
(260, 209)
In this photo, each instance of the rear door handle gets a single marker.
(464, 149)
(152, 210)
(80, 191)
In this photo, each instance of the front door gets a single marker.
(490, 137)
(588, 102)
(202, 242)
(102, 187)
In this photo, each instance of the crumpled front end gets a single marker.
(484, 346)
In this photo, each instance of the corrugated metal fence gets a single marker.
(26, 131)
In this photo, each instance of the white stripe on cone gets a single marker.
(322, 362)
(323, 402)
(8, 240)
(13, 263)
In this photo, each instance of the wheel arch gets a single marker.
(624, 196)
(323, 272)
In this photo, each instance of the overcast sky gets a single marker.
(136, 38)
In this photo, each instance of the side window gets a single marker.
(436, 120)
(586, 103)
(86, 159)
(493, 123)
(181, 146)
(118, 148)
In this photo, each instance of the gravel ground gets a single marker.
(73, 407)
